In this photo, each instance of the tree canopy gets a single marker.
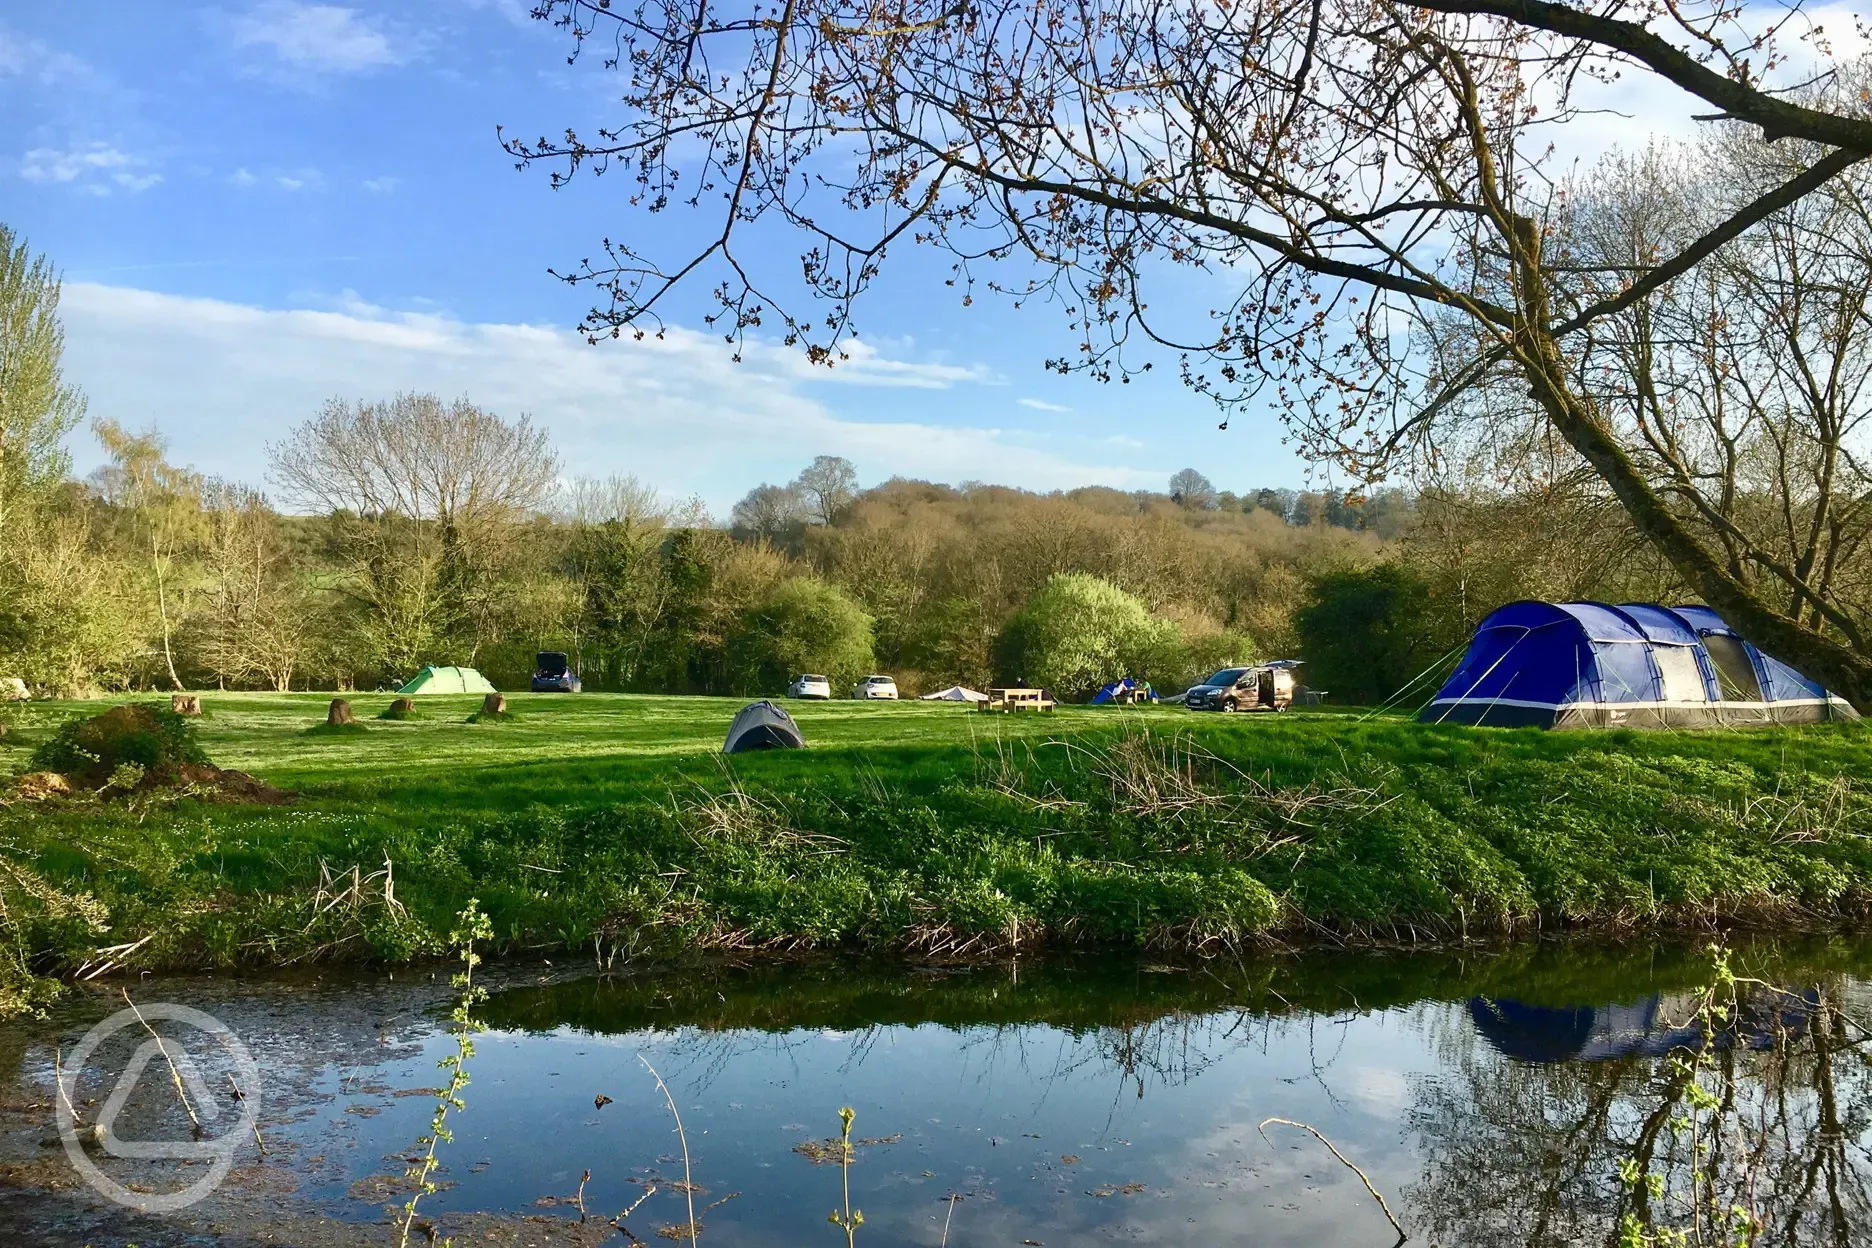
(1371, 175)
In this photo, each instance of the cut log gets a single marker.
(340, 713)
(494, 704)
(403, 706)
(185, 703)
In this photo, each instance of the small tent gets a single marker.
(762, 726)
(955, 693)
(1589, 665)
(448, 680)
(1126, 691)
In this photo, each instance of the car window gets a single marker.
(1227, 676)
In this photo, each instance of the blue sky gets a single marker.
(261, 205)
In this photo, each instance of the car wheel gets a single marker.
(1230, 707)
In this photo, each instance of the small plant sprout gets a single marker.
(850, 1219)
(474, 926)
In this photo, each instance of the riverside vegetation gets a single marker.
(606, 825)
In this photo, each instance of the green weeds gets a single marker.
(610, 823)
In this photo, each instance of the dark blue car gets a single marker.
(552, 673)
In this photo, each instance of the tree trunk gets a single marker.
(162, 609)
(339, 714)
(494, 704)
(185, 703)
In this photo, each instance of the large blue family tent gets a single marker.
(1589, 665)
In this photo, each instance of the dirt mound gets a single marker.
(36, 786)
(233, 786)
(141, 748)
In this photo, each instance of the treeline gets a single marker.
(410, 531)
(417, 531)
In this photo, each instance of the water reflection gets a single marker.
(1494, 1098)
(1529, 1151)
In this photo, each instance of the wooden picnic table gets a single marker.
(1018, 699)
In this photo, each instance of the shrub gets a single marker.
(805, 625)
(1367, 632)
(92, 748)
(1080, 631)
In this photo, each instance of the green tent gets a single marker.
(448, 680)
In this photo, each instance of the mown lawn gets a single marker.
(611, 824)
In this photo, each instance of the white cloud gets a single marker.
(222, 380)
(94, 167)
(299, 180)
(34, 58)
(317, 38)
(1041, 405)
(382, 186)
(241, 177)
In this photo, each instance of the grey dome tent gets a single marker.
(762, 726)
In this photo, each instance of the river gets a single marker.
(1490, 1096)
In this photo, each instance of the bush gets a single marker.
(1367, 633)
(91, 749)
(1079, 632)
(805, 625)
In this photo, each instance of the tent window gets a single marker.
(1682, 678)
(1734, 673)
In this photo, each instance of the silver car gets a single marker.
(875, 687)
(810, 686)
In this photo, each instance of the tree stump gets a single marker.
(339, 714)
(494, 704)
(185, 703)
(401, 708)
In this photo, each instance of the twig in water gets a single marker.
(251, 1122)
(175, 1076)
(583, 1180)
(695, 1232)
(953, 1199)
(58, 1075)
(1344, 1160)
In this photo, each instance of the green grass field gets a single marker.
(611, 824)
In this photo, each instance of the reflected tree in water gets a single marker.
(1754, 1133)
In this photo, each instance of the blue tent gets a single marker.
(1589, 665)
(1651, 1026)
(1126, 690)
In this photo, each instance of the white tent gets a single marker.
(955, 693)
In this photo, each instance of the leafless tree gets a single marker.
(1189, 488)
(771, 512)
(1354, 165)
(254, 620)
(828, 485)
(426, 499)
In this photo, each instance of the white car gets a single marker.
(810, 687)
(875, 687)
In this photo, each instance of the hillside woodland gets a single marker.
(389, 534)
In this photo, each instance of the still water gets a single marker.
(1489, 1097)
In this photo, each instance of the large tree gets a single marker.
(1357, 167)
(426, 501)
(37, 408)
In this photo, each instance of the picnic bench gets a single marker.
(1021, 699)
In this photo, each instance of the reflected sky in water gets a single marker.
(1489, 1096)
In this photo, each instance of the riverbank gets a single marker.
(605, 827)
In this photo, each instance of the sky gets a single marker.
(262, 205)
(259, 206)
